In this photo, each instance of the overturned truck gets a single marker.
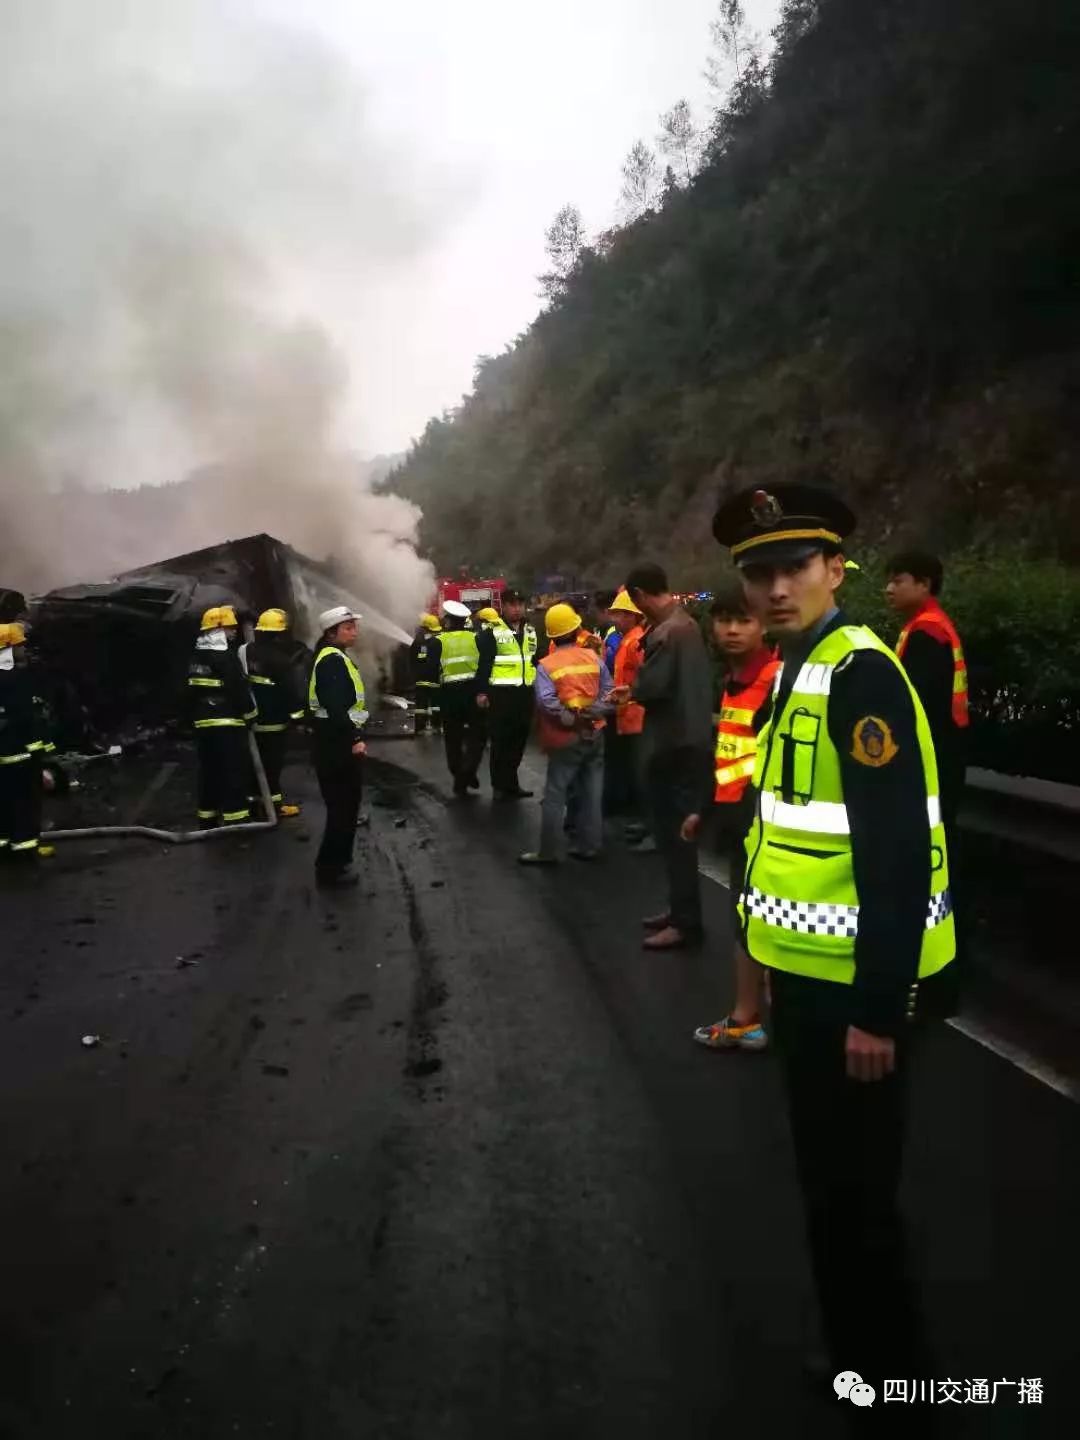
(113, 657)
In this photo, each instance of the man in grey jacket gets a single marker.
(675, 686)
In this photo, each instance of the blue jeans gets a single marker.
(581, 765)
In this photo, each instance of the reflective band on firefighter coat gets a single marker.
(514, 664)
(357, 713)
(460, 659)
(800, 902)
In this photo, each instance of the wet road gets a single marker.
(437, 1158)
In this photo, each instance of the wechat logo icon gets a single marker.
(849, 1386)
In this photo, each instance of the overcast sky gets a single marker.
(507, 110)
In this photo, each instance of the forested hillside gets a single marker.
(871, 277)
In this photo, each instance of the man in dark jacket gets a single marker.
(274, 663)
(338, 716)
(675, 686)
(221, 710)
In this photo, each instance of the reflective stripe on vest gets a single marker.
(800, 903)
(930, 617)
(357, 713)
(206, 682)
(576, 674)
(736, 742)
(225, 723)
(15, 759)
(514, 664)
(459, 659)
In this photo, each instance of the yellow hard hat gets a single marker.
(488, 613)
(560, 620)
(430, 622)
(13, 634)
(622, 601)
(219, 617)
(276, 621)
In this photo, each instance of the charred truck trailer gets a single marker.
(116, 654)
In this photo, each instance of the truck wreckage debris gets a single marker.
(111, 658)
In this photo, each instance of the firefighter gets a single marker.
(745, 703)
(846, 901)
(425, 666)
(21, 744)
(506, 669)
(338, 709)
(277, 687)
(573, 689)
(221, 710)
(464, 721)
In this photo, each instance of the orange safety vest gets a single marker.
(630, 717)
(933, 620)
(576, 672)
(736, 739)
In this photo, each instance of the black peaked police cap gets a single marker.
(785, 523)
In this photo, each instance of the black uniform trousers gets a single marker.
(20, 807)
(427, 706)
(510, 720)
(340, 774)
(849, 1139)
(224, 771)
(273, 747)
(464, 732)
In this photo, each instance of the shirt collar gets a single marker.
(754, 665)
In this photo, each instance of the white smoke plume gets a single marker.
(187, 194)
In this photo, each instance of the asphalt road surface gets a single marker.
(437, 1157)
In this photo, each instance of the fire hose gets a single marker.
(184, 837)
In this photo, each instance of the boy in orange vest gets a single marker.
(745, 705)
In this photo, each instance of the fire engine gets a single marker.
(474, 593)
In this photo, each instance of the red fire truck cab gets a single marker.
(474, 593)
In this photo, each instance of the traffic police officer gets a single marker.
(221, 710)
(506, 669)
(464, 721)
(338, 715)
(270, 661)
(846, 900)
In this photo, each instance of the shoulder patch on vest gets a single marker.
(872, 742)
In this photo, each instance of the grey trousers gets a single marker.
(581, 765)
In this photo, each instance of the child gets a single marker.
(744, 708)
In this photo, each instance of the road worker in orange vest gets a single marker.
(624, 787)
(745, 703)
(573, 700)
(930, 650)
